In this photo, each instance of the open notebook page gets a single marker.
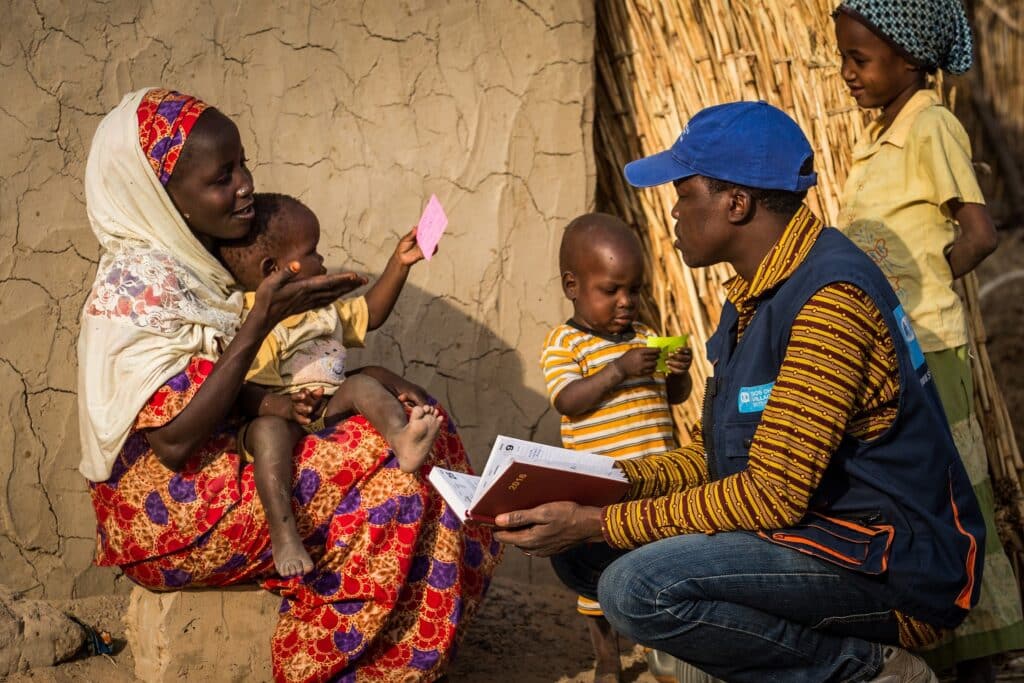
(507, 449)
(457, 488)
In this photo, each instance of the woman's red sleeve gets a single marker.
(169, 400)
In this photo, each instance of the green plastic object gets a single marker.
(667, 346)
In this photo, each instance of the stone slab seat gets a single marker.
(205, 634)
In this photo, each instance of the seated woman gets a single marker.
(162, 359)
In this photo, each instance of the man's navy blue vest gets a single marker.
(900, 506)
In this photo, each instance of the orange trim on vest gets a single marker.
(964, 599)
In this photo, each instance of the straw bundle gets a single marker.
(994, 108)
(660, 61)
(1005, 465)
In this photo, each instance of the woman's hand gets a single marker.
(550, 528)
(277, 297)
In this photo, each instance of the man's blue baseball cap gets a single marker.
(747, 143)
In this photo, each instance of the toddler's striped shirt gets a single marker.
(633, 420)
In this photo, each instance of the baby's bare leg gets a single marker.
(410, 437)
(271, 441)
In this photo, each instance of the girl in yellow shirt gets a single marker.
(912, 202)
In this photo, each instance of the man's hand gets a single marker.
(638, 362)
(550, 528)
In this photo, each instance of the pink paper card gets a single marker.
(431, 227)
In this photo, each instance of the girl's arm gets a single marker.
(175, 442)
(976, 240)
(382, 295)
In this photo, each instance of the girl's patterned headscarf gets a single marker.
(166, 118)
(934, 34)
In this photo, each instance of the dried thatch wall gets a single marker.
(992, 104)
(659, 62)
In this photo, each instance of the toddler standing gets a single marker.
(601, 377)
(912, 202)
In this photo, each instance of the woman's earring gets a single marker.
(188, 216)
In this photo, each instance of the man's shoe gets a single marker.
(901, 666)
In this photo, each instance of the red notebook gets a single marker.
(523, 474)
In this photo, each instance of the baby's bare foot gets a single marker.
(413, 442)
(290, 556)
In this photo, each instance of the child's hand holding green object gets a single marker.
(678, 362)
(675, 357)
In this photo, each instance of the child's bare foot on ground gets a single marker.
(290, 556)
(413, 442)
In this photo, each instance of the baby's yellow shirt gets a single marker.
(895, 209)
(308, 350)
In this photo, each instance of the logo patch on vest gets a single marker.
(754, 399)
(916, 355)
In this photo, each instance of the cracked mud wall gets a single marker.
(363, 109)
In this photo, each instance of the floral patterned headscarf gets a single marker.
(166, 118)
(159, 297)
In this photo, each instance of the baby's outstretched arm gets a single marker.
(383, 294)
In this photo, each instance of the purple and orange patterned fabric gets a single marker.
(166, 118)
(397, 576)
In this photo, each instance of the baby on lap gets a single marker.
(301, 366)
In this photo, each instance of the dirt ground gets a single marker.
(523, 634)
(530, 633)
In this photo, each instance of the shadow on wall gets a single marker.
(474, 373)
(477, 377)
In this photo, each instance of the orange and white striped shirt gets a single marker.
(634, 420)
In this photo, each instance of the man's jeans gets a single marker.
(738, 607)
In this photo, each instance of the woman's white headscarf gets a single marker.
(159, 298)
